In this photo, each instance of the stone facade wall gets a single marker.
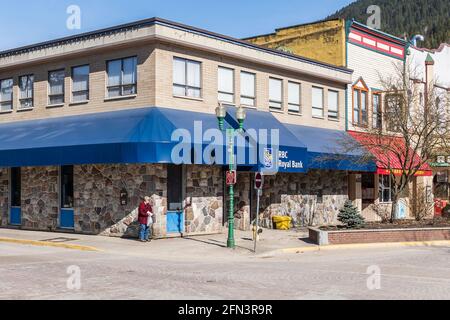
(98, 209)
(204, 199)
(97, 191)
(298, 196)
(242, 201)
(4, 197)
(40, 198)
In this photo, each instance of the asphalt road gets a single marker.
(28, 272)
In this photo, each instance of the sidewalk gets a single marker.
(213, 246)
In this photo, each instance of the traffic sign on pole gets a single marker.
(259, 181)
(259, 184)
(231, 178)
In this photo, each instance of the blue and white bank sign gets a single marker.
(283, 162)
(286, 163)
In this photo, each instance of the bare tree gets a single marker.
(415, 124)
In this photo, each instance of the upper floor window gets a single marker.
(122, 77)
(26, 91)
(333, 104)
(275, 93)
(394, 112)
(359, 107)
(248, 89)
(317, 102)
(376, 111)
(56, 87)
(6, 95)
(294, 94)
(80, 83)
(226, 84)
(187, 78)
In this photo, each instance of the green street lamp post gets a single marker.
(240, 115)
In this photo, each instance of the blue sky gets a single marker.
(30, 21)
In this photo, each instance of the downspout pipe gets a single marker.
(347, 32)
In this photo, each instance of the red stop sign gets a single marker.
(259, 181)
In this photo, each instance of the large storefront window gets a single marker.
(368, 187)
(442, 185)
(67, 187)
(385, 185)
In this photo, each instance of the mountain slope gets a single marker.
(401, 18)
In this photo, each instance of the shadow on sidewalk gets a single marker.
(215, 243)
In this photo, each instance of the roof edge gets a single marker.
(292, 26)
(156, 20)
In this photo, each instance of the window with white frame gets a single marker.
(226, 85)
(317, 102)
(294, 96)
(393, 108)
(26, 91)
(333, 104)
(360, 115)
(248, 90)
(187, 78)
(385, 186)
(6, 94)
(275, 93)
(122, 77)
(80, 83)
(56, 87)
(377, 121)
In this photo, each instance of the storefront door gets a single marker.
(175, 194)
(15, 213)
(66, 217)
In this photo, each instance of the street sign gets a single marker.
(231, 178)
(259, 181)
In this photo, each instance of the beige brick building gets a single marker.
(68, 161)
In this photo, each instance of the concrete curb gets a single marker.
(49, 244)
(440, 243)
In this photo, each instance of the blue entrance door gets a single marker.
(15, 216)
(67, 219)
(15, 213)
(175, 222)
(175, 214)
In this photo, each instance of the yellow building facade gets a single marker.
(322, 41)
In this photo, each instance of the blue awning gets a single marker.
(129, 136)
(144, 135)
(324, 151)
(278, 148)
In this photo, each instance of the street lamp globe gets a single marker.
(241, 115)
(221, 113)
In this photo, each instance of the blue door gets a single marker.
(15, 216)
(66, 216)
(175, 214)
(175, 222)
(67, 219)
(15, 213)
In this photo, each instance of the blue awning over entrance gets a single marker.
(128, 136)
(325, 152)
(278, 148)
(144, 135)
